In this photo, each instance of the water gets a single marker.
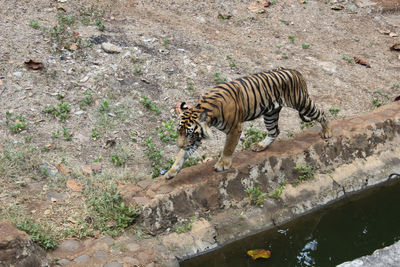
(343, 231)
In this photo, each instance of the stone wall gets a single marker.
(363, 151)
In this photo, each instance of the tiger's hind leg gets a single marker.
(271, 123)
(313, 113)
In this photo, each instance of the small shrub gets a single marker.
(252, 135)
(348, 59)
(39, 233)
(305, 45)
(34, 24)
(15, 123)
(256, 196)
(218, 78)
(61, 111)
(307, 125)
(306, 172)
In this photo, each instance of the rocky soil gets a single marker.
(76, 125)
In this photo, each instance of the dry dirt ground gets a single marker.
(86, 105)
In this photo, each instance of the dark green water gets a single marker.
(343, 231)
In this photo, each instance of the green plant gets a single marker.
(38, 232)
(61, 110)
(60, 96)
(190, 85)
(100, 25)
(218, 78)
(395, 86)
(98, 159)
(334, 111)
(165, 42)
(306, 124)
(306, 172)
(34, 24)
(56, 134)
(305, 45)
(95, 134)
(110, 214)
(118, 160)
(348, 59)
(184, 227)
(252, 135)
(278, 192)
(377, 103)
(192, 161)
(168, 133)
(256, 196)
(105, 106)
(291, 38)
(15, 123)
(156, 160)
(67, 135)
(285, 22)
(137, 69)
(148, 103)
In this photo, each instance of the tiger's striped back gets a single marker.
(249, 97)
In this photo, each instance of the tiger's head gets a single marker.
(193, 127)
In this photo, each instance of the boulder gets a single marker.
(17, 249)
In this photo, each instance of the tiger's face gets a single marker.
(192, 127)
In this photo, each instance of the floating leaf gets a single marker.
(259, 253)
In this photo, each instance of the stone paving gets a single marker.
(108, 252)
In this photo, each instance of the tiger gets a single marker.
(229, 104)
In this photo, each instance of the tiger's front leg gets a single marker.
(177, 166)
(232, 139)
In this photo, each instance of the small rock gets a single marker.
(111, 48)
(70, 245)
(132, 247)
(79, 112)
(108, 240)
(84, 79)
(127, 54)
(150, 264)
(63, 262)
(82, 259)
(113, 264)
(81, 138)
(101, 255)
(17, 74)
(55, 196)
(131, 261)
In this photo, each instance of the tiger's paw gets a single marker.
(170, 174)
(326, 133)
(257, 147)
(223, 164)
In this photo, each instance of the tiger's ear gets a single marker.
(180, 107)
(184, 106)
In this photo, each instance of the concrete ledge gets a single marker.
(363, 151)
(388, 256)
